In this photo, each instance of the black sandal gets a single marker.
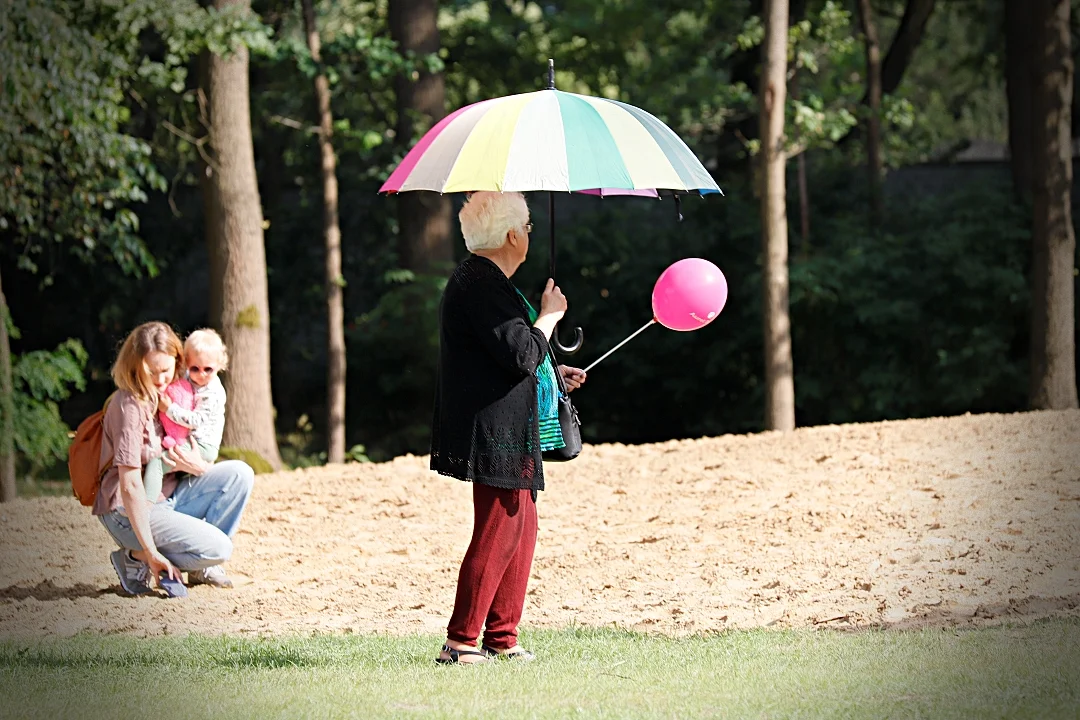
(522, 655)
(455, 656)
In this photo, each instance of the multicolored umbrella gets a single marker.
(551, 140)
(554, 141)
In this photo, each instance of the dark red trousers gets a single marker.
(495, 572)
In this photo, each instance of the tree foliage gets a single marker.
(928, 316)
(71, 170)
(67, 168)
(43, 380)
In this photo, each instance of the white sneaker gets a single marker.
(214, 575)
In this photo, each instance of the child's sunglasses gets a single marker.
(196, 369)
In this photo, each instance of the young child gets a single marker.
(205, 355)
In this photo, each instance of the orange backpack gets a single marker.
(84, 457)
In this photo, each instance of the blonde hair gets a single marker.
(208, 341)
(129, 372)
(486, 217)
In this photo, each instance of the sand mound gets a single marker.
(964, 520)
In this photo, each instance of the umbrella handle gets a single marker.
(579, 338)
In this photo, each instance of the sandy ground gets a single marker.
(958, 521)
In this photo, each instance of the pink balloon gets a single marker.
(689, 294)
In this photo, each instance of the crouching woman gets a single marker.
(189, 525)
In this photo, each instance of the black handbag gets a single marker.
(569, 424)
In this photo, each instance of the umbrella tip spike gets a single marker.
(551, 73)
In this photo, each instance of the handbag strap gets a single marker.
(555, 367)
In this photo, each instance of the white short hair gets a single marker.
(207, 341)
(487, 216)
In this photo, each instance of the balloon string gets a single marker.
(639, 331)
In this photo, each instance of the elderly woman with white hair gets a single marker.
(496, 411)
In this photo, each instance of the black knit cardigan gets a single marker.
(485, 427)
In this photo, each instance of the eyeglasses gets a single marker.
(528, 227)
(196, 369)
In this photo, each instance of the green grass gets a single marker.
(1010, 672)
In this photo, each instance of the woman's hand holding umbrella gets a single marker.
(552, 309)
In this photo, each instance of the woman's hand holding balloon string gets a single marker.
(572, 376)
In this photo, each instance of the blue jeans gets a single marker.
(193, 527)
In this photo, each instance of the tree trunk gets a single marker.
(902, 49)
(424, 218)
(779, 373)
(912, 26)
(1020, 81)
(804, 204)
(1053, 341)
(875, 163)
(335, 309)
(8, 489)
(240, 305)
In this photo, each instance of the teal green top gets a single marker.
(547, 404)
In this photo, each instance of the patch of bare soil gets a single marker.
(957, 521)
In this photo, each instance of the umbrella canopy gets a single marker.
(551, 140)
